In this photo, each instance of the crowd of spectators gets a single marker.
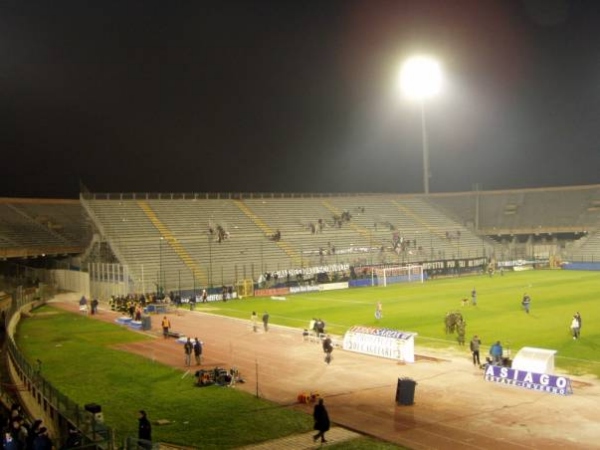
(134, 304)
(19, 433)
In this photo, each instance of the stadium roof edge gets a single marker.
(250, 195)
(37, 201)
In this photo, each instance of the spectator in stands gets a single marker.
(221, 234)
(42, 441)
(9, 443)
(16, 412)
(74, 438)
(144, 431)
(19, 432)
(32, 433)
(166, 325)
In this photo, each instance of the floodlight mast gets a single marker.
(420, 79)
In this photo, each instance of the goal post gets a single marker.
(245, 288)
(382, 276)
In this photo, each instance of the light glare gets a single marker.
(420, 77)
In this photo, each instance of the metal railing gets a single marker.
(58, 407)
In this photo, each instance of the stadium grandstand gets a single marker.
(111, 245)
(188, 241)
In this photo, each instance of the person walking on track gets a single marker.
(321, 418)
(166, 326)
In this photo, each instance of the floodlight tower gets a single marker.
(421, 79)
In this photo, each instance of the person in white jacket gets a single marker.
(575, 327)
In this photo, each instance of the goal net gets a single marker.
(397, 274)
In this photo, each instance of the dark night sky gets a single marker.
(294, 96)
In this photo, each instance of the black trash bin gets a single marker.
(146, 323)
(405, 392)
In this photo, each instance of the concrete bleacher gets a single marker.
(586, 249)
(555, 210)
(416, 220)
(170, 237)
(31, 227)
(66, 218)
(166, 239)
(169, 242)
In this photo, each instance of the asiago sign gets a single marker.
(529, 380)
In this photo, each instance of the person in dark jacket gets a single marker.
(9, 442)
(144, 431)
(42, 441)
(321, 421)
(475, 345)
(74, 438)
(198, 351)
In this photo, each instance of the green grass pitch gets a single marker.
(555, 296)
(100, 371)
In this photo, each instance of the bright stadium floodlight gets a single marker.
(421, 79)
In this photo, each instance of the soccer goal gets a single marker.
(383, 276)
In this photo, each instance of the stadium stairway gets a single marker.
(268, 232)
(173, 242)
(304, 440)
(362, 231)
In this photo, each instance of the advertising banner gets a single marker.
(543, 382)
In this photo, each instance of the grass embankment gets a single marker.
(78, 357)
